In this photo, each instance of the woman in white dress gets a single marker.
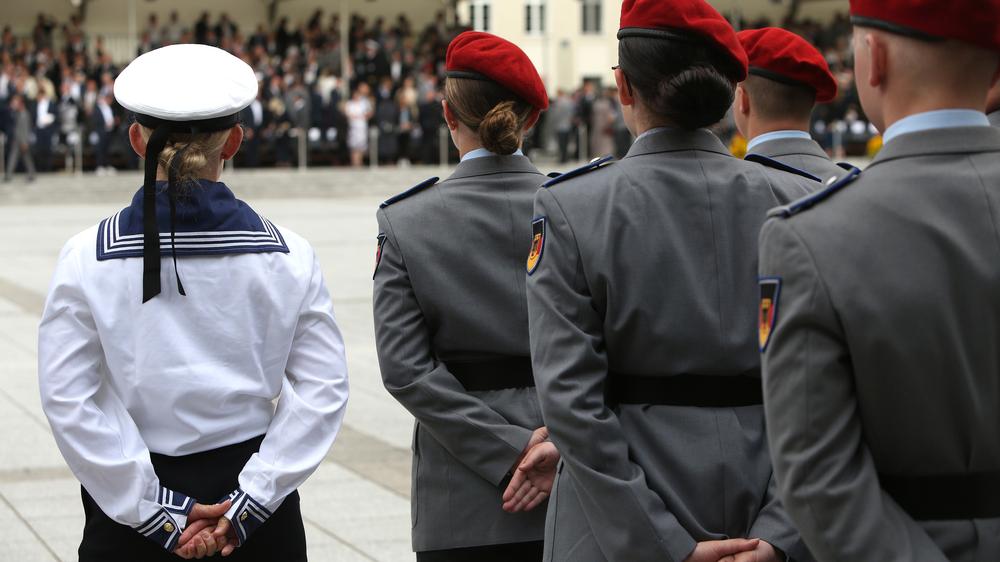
(359, 111)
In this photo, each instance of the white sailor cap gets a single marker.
(179, 89)
(186, 83)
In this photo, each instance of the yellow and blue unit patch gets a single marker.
(537, 244)
(770, 290)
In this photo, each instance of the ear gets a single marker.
(742, 100)
(625, 94)
(878, 59)
(136, 140)
(233, 143)
(449, 116)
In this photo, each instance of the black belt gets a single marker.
(974, 495)
(703, 391)
(493, 374)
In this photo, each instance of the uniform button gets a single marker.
(168, 527)
(243, 516)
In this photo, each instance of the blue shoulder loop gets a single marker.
(848, 167)
(593, 165)
(808, 201)
(412, 191)
(772, 163)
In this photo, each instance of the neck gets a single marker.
(211, 173)
(757, 128)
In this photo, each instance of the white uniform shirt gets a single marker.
(184, 374)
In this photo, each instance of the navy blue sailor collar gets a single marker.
(210, 220)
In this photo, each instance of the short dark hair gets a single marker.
(774, 100)
(686, 81)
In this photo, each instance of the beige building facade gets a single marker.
(575, 40)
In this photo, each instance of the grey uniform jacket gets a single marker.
(805, 154)
(648, 267)
(883, 358)
(450, 286)
(995, 118)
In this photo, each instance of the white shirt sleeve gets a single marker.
(93, 429)
(309, 414)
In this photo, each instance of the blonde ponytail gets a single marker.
(196, 152)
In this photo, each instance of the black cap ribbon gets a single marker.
(162, 129)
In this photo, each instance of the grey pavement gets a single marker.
(356, 505)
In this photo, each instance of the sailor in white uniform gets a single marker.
(192, 414)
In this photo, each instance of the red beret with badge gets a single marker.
(971, 21)
(483, 56)
(782, 56)
(682, 20)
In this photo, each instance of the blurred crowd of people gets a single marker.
(56, 93)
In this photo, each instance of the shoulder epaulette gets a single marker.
(593, 165)
(412, 191)
(809, 201)
(848, 167)
(772, 163)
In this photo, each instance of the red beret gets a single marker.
(686, 17)
(483, 56)
(972, 21)
(783, 56)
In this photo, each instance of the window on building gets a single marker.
(534, 16)
(479, 15)
(591, 16)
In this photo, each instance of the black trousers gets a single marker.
(207, 477)
(513, 552)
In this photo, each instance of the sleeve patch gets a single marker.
(537, 244)
(770, 291)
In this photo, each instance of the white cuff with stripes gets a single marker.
(246, 514)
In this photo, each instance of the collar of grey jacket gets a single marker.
(995, 118)
(676, 140)
(789, 147)
(487, 165)
(960, 140)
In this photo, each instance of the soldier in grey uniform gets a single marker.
(773, 107)
(879, 309)
(451, 321)
(993, 105)
(641, 311)
(20, 141)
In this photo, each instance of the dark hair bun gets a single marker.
(695, 98)
(500, 130)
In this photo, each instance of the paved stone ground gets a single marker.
(356, 506)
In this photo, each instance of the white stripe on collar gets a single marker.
(777, 135)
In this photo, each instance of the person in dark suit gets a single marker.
(102, 126)
(430, 117)
(46, 116)
(254, 119)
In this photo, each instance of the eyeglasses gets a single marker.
(616, 67)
